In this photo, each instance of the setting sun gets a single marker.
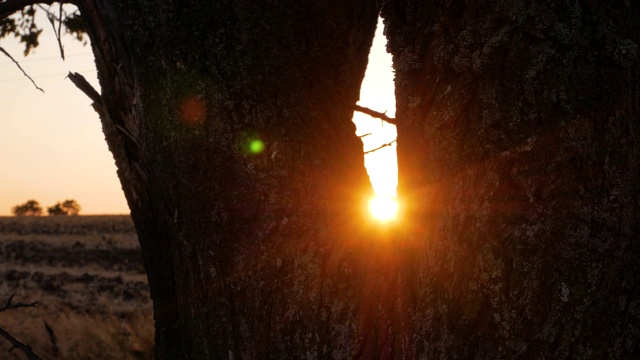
(383, 208)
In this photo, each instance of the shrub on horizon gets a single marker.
(68, 207)
(30, 208)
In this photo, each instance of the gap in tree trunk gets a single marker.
(377, 93)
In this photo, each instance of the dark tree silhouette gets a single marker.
(67, 207)
(518, 165)
(29, 208)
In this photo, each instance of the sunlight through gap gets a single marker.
(377, 93)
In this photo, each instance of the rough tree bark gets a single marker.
(518, 149)
(250, 253)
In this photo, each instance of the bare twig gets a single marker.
(15, 344)
(60, 32)
(10, 305)
(364, 135)
(52, 338)
(19, 67)
(375, 114)
(380, 147)
(57, 32)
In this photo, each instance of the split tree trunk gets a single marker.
(250, 252)
(519, 149)
(518, 154)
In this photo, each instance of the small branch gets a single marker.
(60, 32)
(57, 32)
(375, 114)
(19, 67)
(52, 338)
(10, 305)
(364, 135)
(81, 83)
(380, 147)
(15, 344)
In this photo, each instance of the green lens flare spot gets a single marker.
(256, 146)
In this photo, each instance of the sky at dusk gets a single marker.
(52, 147)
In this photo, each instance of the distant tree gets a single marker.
(30, 208)
(68, 207)
(71, 206)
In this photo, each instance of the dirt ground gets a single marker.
(86, 274)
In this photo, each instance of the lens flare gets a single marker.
(383, 208)
(256, 146)
(192, 111)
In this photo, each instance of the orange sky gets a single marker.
(52, 147)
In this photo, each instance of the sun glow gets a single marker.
(378, 137)
(383, 208)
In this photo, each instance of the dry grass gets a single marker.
(86, 273)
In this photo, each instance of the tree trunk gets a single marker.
(230, 124)
(518, 150)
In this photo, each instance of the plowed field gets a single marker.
(86, 274)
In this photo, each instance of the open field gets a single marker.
(86, 274)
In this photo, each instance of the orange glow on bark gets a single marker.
(192, 111)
